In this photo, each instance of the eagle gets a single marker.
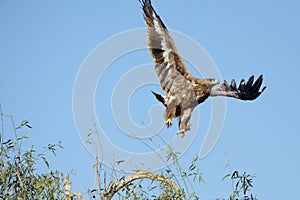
(184, 91)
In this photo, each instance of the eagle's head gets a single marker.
(211, 82)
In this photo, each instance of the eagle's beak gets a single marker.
(216, 82)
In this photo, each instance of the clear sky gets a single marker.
(43, 44)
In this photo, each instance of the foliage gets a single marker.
(19, 178)
(184, 177)
(18, 173)
(242, 183)
(242, 186)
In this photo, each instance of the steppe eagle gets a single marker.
(183, 91)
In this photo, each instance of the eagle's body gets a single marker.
(183, 91)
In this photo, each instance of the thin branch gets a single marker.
(104, 181)
(2, 127)
(79, 196)
(114, 187)
(230, 169)
(159, 155)
(98, 175)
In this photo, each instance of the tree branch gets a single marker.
(114, 187)
(67, 188)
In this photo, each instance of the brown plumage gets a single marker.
(183, 91)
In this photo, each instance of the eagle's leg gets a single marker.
(184, 121)
(169, 114)
(170, 111)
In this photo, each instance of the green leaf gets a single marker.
(24, 123)
(192, 167)
(235, 174)
(201, 179)
(46, 162)
(196, 158)
(8, 141)
(227, 175)
(131, 135)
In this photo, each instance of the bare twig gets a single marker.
(104, 181)
(98, 175)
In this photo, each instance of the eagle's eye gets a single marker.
(212, 81)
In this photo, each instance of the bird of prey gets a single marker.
(184, 91)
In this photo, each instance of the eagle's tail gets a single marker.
(159, 97)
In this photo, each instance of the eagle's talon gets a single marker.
(169, 122)
(181, 132)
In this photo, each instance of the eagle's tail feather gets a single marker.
(159, 97)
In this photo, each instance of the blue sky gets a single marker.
(43, 45)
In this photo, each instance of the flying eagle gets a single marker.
(185, 92)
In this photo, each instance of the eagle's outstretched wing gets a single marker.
(245, 91)
(169, 63)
